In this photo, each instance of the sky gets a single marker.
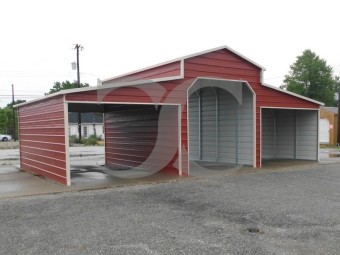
(38, 37)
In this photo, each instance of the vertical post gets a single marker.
(14, 126)
(217, 125)
(338, 142)
(274, 132)
(295, 133)
(78, 83)
(237, 132)
(200, 123)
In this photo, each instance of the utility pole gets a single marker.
(77, 47)
(14, 126)
(338, 143)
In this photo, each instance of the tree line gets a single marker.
(6, 113)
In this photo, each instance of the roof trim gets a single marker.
(293, 94)
(181, 60)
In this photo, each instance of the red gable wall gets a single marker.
(163, 71)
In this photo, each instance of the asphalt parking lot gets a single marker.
(291, 212)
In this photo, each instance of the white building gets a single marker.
(91, 123)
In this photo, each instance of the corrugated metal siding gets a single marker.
(168, 70)
(221, 64)
(268, 133)
(42, 139)
(245, 128)
(208, 124)
(289, 134)
(225, 133)
(307, 135)
(194, 134)
(285, 134)
(123, 94)
(132, 132)
(228, 120)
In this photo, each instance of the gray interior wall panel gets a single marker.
(245, 128)
(285, 133)
(290, 134)
(307, 135)
(194, 143)
(226, 128)
(228, 107)
(268, 134)
(208, 126)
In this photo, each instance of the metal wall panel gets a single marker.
(285, 134)
(167, 70)
(42, 139)
(137, 137)
(289, 134)
(245, 129)
(208, 124)
(228, 119)
(307, 135)
(268, 133)
(225, 132)
(194, 134)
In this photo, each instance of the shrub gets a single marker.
(92, 140)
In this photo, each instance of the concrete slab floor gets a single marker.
(14, 183)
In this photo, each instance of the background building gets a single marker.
(329, 125)
(91, 123)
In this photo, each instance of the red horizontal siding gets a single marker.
(42, 138)
(168, 70)
(221, 64)
(131, 135)
(42, 130)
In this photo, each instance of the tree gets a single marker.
(6, 118)
(310, 76)
(65, 85)
(18, 101)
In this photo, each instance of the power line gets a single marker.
(42, 75)
(37, 91)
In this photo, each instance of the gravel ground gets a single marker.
(296, 212)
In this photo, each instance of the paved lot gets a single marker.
(297, 212)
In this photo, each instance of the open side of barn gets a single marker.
(210, 106)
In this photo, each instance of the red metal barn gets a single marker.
(211, 106)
